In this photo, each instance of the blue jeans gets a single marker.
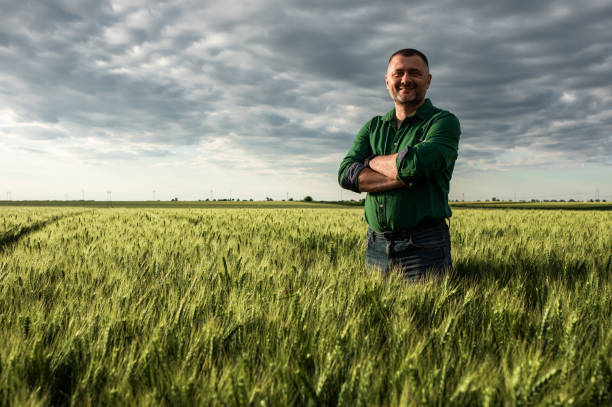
(416, 253)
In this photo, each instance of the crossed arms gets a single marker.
(381, 176)
(431, 158)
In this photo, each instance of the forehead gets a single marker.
(412, 62)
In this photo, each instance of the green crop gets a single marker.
(275, 307)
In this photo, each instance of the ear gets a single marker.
(428, 80)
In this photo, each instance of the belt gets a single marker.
(403, 234)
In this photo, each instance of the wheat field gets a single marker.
(273, 306)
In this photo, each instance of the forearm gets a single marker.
(372, 181)
(385, 165)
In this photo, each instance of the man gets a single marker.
(404, 160)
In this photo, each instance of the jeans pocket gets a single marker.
(431, 238)
(402, 248)
(415, 260)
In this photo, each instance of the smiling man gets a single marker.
(404, 160)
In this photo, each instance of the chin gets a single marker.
(410, 101)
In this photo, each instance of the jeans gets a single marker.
(416, 253)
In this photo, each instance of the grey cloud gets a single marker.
(45, 134)
(264, 71)
(121, 155)
(468, 154)
(275, 119)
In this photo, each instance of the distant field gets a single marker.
(600, 206)
(606, 206)
(252, 306)
(180, 204)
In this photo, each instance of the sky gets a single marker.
(135, 100)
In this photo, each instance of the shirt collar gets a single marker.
(422, 112)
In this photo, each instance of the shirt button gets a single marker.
(380, 206)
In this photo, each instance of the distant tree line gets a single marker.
(494, 199)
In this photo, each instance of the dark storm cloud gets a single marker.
(300, 78)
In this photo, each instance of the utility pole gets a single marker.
(108, 195)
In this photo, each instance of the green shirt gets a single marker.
(427, 144)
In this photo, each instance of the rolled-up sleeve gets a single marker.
(436, 153)
(352, 164)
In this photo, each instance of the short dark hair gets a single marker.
(408, 52)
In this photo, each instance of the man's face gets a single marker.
(407, 79)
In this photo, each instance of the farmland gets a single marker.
(273, 306)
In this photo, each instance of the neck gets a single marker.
(403, 110)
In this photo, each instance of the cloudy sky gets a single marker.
(256, 98)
